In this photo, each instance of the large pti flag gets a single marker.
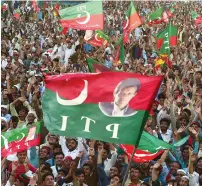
(109, 106)
(86, 16)
(166, 39)
(20, 139)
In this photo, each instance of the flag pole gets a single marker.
(129, 166)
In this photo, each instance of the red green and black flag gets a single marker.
(96, 38)
(156, 17)
(120, 54)
(96, 67)
(20, 139)
(167, 38)
(86, 16)
(56, 9)
(132, 21)
(99, 106)
(197, 18)
(17, 13)
(150, 147)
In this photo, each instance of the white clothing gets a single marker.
(166, 137)
(55, 172)
(68, 53)
(108, 163)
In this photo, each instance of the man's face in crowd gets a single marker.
(67, 163)
(173, 168)
(60, 175)
(179, 176)
(113, 171)
(81, 178)
(49, 181)
(198, 76)
(22, 156)
(44, 153)
(185, 154)
(31, 117)
(176, 94)
(134, 174)
(123, 97)
(52, 139)
(115, 181)
(104, 154)
(22, 113)
(86, 170)
(199, 164)
(120, 159)
(59, 159)
(164, 126)
(163, 88)
(71, 144)
(184, 182)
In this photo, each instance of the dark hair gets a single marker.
(161, 96)
(136, 168)
(14, 119)
(144, 183)
(56, 59)
(79, 172)
(165, 120)
(88, 165)
(59, 153)
(199, 72)
(23, 108)
(64, 171)
(107, 149)
(177, 163)
(116, 175)
(57, 146)
(187, 111)
(45, 175)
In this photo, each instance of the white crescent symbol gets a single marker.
(86, 20)
(96, 37)
(144, 155)
(23, 135)
(76, 101)
(127, 22)
(5, 142)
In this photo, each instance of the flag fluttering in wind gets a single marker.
(120, 54)
(72, 108)
(156, 17)
(17, 13)
(132, 21)
(150, 147)
(162, 61)
(167, 38)
(56, 9)
(86, 16)
(196, 18)
(35, 6)
(96, 38)
(20, 139)
(4, 7)
(95, 66)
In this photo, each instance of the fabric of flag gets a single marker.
(4, 7)
(56, 9)
(17, 13)
(95, 66)
(35, 6)
(167, 38)
(86, 16)
(20, 139)
(120, 55)
(150, 147)
(96, 38)
(197, 18)
(132, 19)
(72, 108)
(63, 30)
(156, 15)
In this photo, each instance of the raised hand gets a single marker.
(181, 129)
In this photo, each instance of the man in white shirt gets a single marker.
(123, 94)
(165, 133)
(68, 52)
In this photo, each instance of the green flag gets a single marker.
(120, 55)
(156, 14)
(95, 66)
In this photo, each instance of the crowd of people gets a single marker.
(33, 47)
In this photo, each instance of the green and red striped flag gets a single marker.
(156, 15)
(56, 9)
(197, 18)
(150, 147)
(17, 13)
(86, 16)
(20, 139)
(120, 55)
(96, 106)
(132, 19)
(95, 66)
(96, 38)
(166, 39)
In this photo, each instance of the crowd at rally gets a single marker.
(32, 48)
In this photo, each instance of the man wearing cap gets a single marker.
(123, 93)
(4, 112)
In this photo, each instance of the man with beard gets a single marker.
(70, 146)
(134, 177)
